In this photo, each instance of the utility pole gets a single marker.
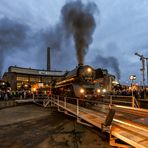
(142, 59)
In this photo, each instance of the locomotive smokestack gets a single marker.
(48, 59)
(80, 64)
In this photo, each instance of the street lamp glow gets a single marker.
(132, 77)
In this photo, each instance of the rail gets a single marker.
(124, 100)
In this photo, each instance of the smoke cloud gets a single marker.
(79, 22)
(12, 37)
(76, 26)
(107, 62)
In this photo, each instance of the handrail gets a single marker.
(88, 115)
(133, 100)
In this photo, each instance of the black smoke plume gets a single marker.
(76, 22)
(79, 22)
(107, 62)
(12, 37)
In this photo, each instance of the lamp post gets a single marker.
(143, 60)
(132, 78)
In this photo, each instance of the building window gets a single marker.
(22, 78)
(34, 79)
(46, 80)
(19, 84)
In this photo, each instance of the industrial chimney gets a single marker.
(48, 59)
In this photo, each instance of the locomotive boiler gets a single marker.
(79, 83)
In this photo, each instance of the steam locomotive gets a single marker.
(79, 83)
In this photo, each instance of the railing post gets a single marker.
(65, 102)
(58, 103)
(33, 97)
(51, 101)
(133, 101)
(136, 103)
(111, 101)
(77, 108)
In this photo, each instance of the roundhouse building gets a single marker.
(17, 76)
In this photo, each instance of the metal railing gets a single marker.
(122, 100)
(94, 118)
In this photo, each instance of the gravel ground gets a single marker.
(31, 126)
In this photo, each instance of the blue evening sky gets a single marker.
(121, 30)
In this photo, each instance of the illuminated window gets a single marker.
(22, 78)
(34, 79)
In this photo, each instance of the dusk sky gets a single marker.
(28, 27)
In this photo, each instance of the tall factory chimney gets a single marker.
(48, 59)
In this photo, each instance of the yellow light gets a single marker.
(34, 89)
(25, 85)
(89, 69)
(98, 90)
(3, 83)
(104, 90)
(82, 90)
(115, 82)
(132, 77)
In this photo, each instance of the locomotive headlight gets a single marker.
(98, 90)
(104, 90)
(3, 83)
(25, 85)
(89, 69)
(81, 90)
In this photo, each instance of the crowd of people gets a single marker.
(140, 93)
(7, 94)
(21, 94)
(18, 94)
